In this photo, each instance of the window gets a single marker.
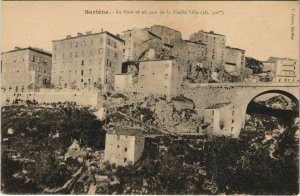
(232, 113)
(82, 62)
(76, 44)
(166, 76)
(125, 149)
(82, 72)
(100, 50)
(232, 121)
(125, 159)
(212, 112)
(90, 71)
(81, 80)
(118, 146)
(116, 55)
(76, 54)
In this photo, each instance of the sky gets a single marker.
(263, 29)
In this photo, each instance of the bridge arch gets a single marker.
(282, 92)
(290, 94)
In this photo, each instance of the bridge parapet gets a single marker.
(244, 84)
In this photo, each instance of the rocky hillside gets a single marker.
(156, 113)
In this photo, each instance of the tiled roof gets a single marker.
(114, 36)
(30, 48)
(235, 48)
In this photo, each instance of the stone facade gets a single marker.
(25, 69)
(169, 36)
(189, 55)
(220, 119)
(160, 77)
(123, 83)
(215, 47)
(234, 60)
(123, 146)
(87, 60)
(283, 69)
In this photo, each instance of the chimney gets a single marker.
(88, 33)
(101, 29)
(69, 36)
(79, 34)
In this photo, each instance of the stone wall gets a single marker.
(82, 98)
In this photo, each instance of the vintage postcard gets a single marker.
(150, 97)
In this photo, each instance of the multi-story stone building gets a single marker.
(215, 47)
(85, 61)
(137, 41)
(160, 77)
(25, 69)
(220, 118)
(189, 55)
(283, 69)
(234, 60)
(123, 146)
(169, 36)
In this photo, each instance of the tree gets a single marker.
(254, 64)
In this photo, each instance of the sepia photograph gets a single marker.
(150, 97)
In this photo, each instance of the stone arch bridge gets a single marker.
(239, 94)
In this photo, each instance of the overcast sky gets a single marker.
(263, 29)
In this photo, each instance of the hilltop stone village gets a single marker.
(153, 66)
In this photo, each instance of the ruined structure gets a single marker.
(169, 36)
(137, 41)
